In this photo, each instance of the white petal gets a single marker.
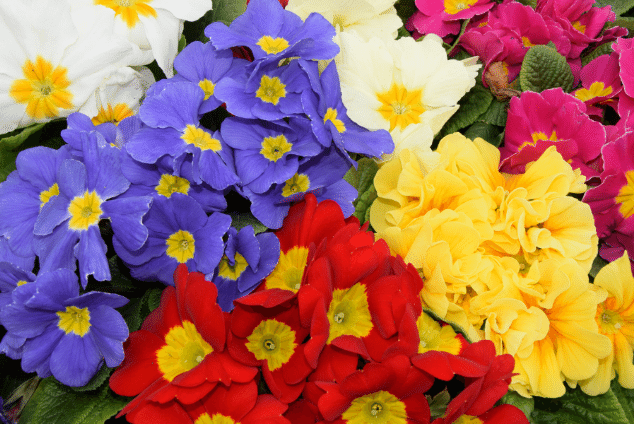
(188, 10)
(163, 33)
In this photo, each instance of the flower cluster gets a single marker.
(337, 299)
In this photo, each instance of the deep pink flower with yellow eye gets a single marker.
(537, 121)
(442, 17)
(612, 201)
(600, 84)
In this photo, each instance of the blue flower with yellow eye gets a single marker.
(329, 117)
(66, 334)
(24, 193)
(67, 228)
(321, 175)
(247, 260)
(273, 33)
(269, 92)
(107, 133)
(170, 113)
(179, 231)
(203, 65)
(267, 153)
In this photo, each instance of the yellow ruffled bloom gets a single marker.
(615, 317)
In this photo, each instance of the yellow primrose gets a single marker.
(615, 317)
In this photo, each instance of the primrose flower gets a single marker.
(68, 224)
(273, 33)
(551, 118)
(390, 84)
(68, 335)
(151, 27)
(179, 232)
(248, 258)
(108, 134)
(600, 83)
(442, 17)
(52, 76)
(368, 18)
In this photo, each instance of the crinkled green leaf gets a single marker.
(625, 22)
(526, 405)
(154, 298)
(224, 11)
(544, 68)
(605, 48)
(625, 398)
(242, 219)
(95, 382)
(182, 42)
(618, 6)
(597, 264)
(488, 132)
(438, 404)
(577, 407)
(495, 114)
(472, 105)
(118, 279)
(10, 145)
(405, 9)
(362, 179)
(53, 403)
(363, 203)
(531, 3)
(132, 314)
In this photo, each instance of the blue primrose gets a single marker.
(67, 227)
(107, 133)
(7, 255)
(203, 65)
(247, 260)
(173, 128)
(24, 193)
(273, 33)
(67, 335)
(321, 175)
(329, 117)
(267, 153)
(179, 231)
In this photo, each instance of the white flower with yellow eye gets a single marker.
(152, 26)
(369, 18)
(52, 59)
(388, 84)
(118, 96)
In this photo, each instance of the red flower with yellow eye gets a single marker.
(178, 356)
(272, 339)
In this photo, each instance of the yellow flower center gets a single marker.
(180, 246)
(129, 10)
(184, 349)
(46, 195)
(232, 272)
(379, 407)
(536, 136)
(114, 114)
(289, 271)
(401, 107)
(273, 148)
(169, 184)
(468, 419)
(434, 337)
(43, 89)
(274, 341)
(216, 419)
(626, 196)
(200, 138)
(526, 42)
(21, 283)
(272, 45)
(271, 90)
(597, 89)
(85, 211)
(579, 26)
(331, 115)
(208, 87)
(454, 6)
(74, 320)
(609, 320)
(349, 313)
(298, 183)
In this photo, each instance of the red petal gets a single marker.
(200, 304)
(234, 401)
(417, 408)
(332, 403)
(372, 378)
(286, 393)
(504, 414)
(301, 412)
(138, 369)
(267, 410)
(155, 413)
(269, 298)
(166, 316)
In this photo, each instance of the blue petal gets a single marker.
(175, 106)
(109, 331)
(19, 208)
(37, 351)
(126, 216)
(149, 144)
(25, 322)
(12, 345)
(71, 178)
(7, 255)
(75, 360)
(53, 213)
(56, 249)
(94, 299)
(91, 254)
(209, 243)
(103, 169)
(248, 246)
(53, 289)
(215, 172)
(38, 165)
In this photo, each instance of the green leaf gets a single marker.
(605, 48)
(597, 264)
(10, 144)
(625, 398)
(131, 313)
(472, 105)
(405, 9)
(496, 114)
(240, 220)
(490, 133)
(53, 403)
(438, 404)
(526, 405)
(153, 298)
(531, 3)
(182, 42)
(362, 179)
(117, 278)
(577, 407)
(224, 11)
(618, 6)
(625, 22)
(95, 382)
(363, 204)
(544, 68)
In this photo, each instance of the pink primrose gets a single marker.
(600, 83)
(442, 17)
